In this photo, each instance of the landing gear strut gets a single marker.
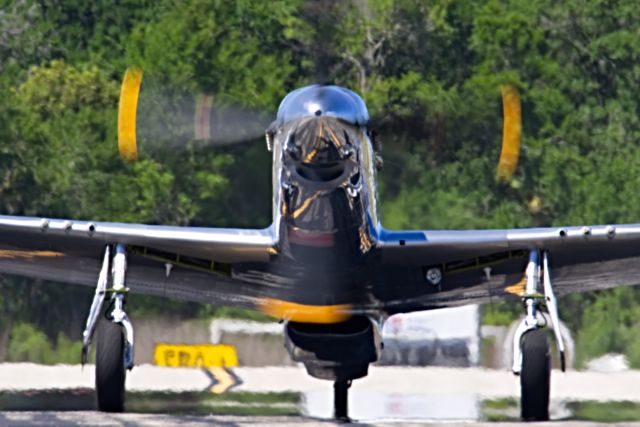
(531, 359)
(341, 401)
(114, 352)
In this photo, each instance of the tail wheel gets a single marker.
(535, 376)
(110, 372)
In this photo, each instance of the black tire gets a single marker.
(110, 372)
(535, 376)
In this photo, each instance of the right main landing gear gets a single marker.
(535, 376)
(531, 358)
(110, 372)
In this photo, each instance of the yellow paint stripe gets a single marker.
(335, 138)
(365, 242)
(311, 155)
(517, 288)
(511, 132)
(320, 134)
(127, 108)
(9, 253)
(305, 205)
(286, 310)
(318, 142)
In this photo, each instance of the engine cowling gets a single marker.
(338, 351)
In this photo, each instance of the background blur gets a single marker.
(430, 73)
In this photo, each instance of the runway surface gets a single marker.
(75, 419)
(485, 383)
(35, 395)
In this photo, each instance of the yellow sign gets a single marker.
(195, 356)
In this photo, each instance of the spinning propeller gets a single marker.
(174, 119)
(154, 117)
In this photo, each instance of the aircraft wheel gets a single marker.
(535, 376)
(110, 372)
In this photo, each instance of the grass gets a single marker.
(195, 403)
(505, 403)
(496, 410)
(605, 412)
(234, 403)
(601, 412)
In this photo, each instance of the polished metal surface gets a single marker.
(321, 100)
(96, 305)
(530, 299)
(222, 244)
(118, 314)
(552, 308)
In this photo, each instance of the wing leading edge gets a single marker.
(219, 244)
(479, 265)
(189, 263)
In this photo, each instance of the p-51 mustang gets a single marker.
(326, 266)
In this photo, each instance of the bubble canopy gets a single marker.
(323, 100)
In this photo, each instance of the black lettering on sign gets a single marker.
(199, 362)
(168, 357)
(183, 358)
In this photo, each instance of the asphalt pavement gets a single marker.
(388, 396)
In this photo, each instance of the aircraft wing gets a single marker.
(480, 265)
(190, 263)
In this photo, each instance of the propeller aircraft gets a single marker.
(326, 266)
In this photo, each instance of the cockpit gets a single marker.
(319, 100)
(324, 162)
(324, 101)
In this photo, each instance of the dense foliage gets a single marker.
(429, 71)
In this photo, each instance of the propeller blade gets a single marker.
(127, 107)
(159, 117)
(511, 133)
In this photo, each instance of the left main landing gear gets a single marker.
(531, 358)
(114, 352)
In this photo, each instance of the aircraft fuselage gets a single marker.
(325, 212)
(325, 204)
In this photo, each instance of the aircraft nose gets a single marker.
(317, 152)
(321, 171)
(321, 164)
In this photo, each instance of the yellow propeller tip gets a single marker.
(127, 107)
(511, 132)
